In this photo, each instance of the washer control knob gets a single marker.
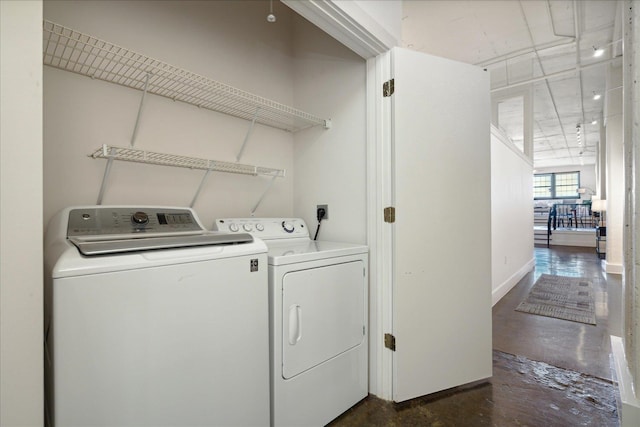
(233, 227)
(247, 227)
(288, 227)
(140, 218)
(259, 227)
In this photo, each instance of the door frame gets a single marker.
(380, 194)
(354, 28)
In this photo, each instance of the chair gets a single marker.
(565, 215)
(583, 216)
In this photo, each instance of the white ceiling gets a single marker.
(522, 42)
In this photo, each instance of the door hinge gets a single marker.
(388, 88)
(390, 342)
(390, 214)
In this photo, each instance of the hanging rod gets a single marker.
(149, 157)
(70, 50)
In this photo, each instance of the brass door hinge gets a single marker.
(390, 214)
(388, 88)
(390, 342)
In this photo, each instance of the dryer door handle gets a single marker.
(295, 324)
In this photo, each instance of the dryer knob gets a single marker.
(259, 227)
(234, 227)
(247, 227)
(140, 218)
(288, 227)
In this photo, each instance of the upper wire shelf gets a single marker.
(150, 157)
(70, 50)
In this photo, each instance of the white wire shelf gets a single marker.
(70, 50)
(163, 159)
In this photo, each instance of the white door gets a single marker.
(442, 231)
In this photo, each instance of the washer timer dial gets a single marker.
(140, 218)
(288, 227)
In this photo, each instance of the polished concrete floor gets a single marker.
(582, 348)
(546, 371)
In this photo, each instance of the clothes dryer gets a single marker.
(150, 320)
(318, 314)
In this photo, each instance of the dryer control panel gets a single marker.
(264, 228)
(102, 221)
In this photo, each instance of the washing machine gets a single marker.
(150, 320)
(318, 317)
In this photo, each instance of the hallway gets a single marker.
(546, 371)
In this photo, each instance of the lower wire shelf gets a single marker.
(164, 159)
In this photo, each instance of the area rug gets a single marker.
(567, 298)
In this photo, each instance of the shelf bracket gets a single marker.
(107, 171)
(246, 138)
(253, 211)
(204, 178)
(144, 93)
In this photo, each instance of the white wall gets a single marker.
(601, 164)
(330, 164)
(626, 351)
(228, 41)
(21, 357)
(615, 170)
(321, 76)
(511, 215)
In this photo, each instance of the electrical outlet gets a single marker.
(326, 211)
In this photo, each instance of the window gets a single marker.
(542, 186)
(562, 185)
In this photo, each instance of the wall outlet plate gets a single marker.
(326, 211)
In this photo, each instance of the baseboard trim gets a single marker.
(613, 268)
(507, 285)
(629, 413)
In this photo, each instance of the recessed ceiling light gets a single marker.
(597, 53)
(595, 122)
(596, 96)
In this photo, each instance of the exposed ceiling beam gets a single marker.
(557, 74)
(522, 52)
(553, 27)
(553, 100)
(617, 32)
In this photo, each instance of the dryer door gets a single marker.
(323, 314)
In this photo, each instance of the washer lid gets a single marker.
(303, 250)
(112, 246)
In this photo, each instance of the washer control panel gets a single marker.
(100, 221)
(264, 228)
